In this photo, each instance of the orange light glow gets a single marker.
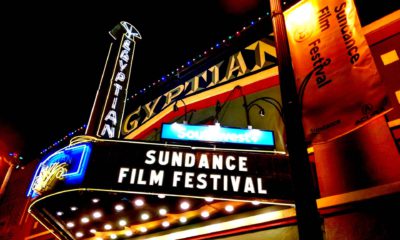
(302, 21)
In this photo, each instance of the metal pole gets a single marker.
(308, 219)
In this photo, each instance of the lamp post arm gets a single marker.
(273, 100)
(277, 105)
(184, 107)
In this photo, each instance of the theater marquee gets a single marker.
(180, 170)
(188, 170)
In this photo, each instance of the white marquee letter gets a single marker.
(122, 174)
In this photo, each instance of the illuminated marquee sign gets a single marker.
(141, 167)
(216, 133)
(68, 165)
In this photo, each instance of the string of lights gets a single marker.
(225, 42)
(64, 139)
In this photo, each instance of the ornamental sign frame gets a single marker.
(67, 165)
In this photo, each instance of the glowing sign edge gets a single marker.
(71, 177)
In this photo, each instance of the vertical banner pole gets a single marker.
(109, 106)
(308, 219)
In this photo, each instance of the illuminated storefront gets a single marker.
(204, 157)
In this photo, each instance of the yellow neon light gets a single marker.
(156, 194)
(93, 139)
(50, 230)
(48, 176)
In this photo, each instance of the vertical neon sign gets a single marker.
(106, 116)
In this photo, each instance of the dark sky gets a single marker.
(52, 55)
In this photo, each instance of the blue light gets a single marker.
(215, 133)
(76, 157)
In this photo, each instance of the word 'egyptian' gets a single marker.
(111, 119)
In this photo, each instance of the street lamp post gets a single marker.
(308, 219)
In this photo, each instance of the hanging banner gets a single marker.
(338, 83)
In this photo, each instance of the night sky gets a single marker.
(52, 56)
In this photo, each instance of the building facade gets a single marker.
(146, 186)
